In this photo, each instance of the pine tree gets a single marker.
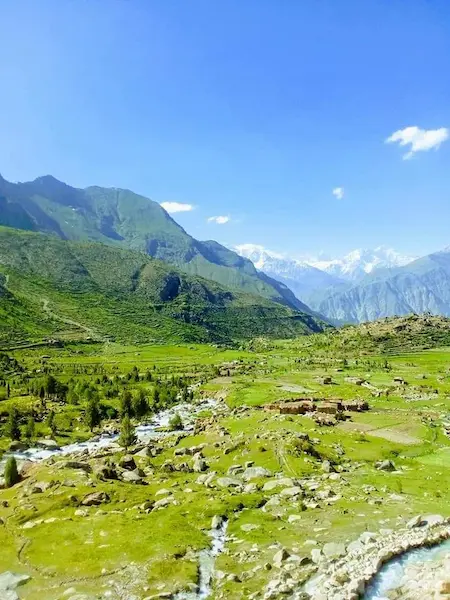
(12, 425)
(127, 435)
(93, 416)
(126, 406)
(30, 429)
(11, 474)
(51, 423)
(140, 405)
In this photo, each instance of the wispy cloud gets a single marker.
(338, 192)
(419, 140)
(219, 220)
(176, 207)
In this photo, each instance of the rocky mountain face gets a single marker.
(120, 217)
(421, 286)
(302, 278)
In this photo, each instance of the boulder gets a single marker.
(74, 464)
(47, 444)
(95, 499)
(280, 557)
(416, 521)
(136, 476)
(275, 483)
(217, 521)
(255, 473)
(199, 464)
(127, 462)
(291, 492)
(11, 581)
(334, 550)
(385, 465)
(105, 472)
(227, 482)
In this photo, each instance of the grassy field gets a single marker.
(118, 548)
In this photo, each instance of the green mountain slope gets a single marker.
(421, 286)
(122, 218)
(54, 287)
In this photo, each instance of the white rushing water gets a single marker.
(188, 413)
(392, 573)
(206, 564)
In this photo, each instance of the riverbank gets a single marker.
(349, 577)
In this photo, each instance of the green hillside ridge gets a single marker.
(120, 217)
(54, 287)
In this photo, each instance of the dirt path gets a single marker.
(67, 321)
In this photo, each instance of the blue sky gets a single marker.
(249, 109)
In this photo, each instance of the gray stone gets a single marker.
(199, 465)
(216, 522)
(74, 464)
(334, 550)
(11, 581)
(255, 472)
(132, 476)
(280, 557)
(47, 444)
(127, 462)
(385, 465)
(275, 483)
(95, 498)
(226, 482)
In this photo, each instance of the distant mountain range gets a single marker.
(365, 284)
(358, 263)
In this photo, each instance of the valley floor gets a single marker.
(283, 482)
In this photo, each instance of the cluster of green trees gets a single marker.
(93, 397)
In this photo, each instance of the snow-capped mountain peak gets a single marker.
(360, 262)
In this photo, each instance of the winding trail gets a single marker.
(66, 320)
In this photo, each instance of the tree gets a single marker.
(72, 396)
(30, 429)
(93, 415)
(126, 406)
(175, 422)
(50, 385)
(12, 425)
(127, 435)
(11, 473)
(140, 404)
(52, 423)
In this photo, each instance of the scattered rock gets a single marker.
(95, 499)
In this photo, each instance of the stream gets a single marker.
(392, 573)
(145, 432)
(206, 563)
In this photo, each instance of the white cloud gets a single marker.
(338, 193)
(176, 207)
(220, 220)
(419, 140)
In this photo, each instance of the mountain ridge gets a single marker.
(48, 285)
(117, 216)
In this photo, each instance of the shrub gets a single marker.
(175, 423)
(127, 435)
(11, 473)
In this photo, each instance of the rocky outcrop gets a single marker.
(347, 578)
